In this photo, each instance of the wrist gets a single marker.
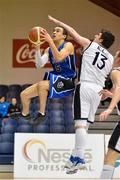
(110, 109)
(50, 42)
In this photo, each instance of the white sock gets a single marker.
(80, 142)
(107, 172)
(24, 114)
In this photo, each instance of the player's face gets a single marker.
(57, 34)
(97, 38)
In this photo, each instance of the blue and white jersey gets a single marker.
(66, 67)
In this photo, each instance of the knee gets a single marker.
(80, 124)
(42, 85)
(23, 95)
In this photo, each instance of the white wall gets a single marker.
(18, 16)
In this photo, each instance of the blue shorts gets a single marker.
(59, 86)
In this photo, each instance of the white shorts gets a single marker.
(86, 101)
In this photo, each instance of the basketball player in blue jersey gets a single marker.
(96, 64)
(114, 143)
(57, 83)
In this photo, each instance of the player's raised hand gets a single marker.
(45, 36)
(52, 19)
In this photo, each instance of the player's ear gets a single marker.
(65, 36)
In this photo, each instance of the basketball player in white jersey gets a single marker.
(96, 64)
(114, 143)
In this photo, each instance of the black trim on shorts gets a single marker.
(77, 104)
(114, 138)
(79, 69)
(46, 76)
(90, 122)
(118, 105)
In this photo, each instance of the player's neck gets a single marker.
(58, 43)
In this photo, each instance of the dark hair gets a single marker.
(108, 38)
(64, 32)
(1, 97)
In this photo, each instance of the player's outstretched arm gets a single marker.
(84, 42)
(116, 95)
(115, 98)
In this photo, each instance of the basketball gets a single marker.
(34, 36)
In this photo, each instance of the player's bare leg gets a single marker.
(111, 157)
(109, 162)
(43, 88)
(26, 96)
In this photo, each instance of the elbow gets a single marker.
(58, 57)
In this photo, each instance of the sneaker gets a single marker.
(15, 115)
(37, 120)
(27, 117)
(74, 164)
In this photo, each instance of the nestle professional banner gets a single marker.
(24, 53)
(44, 156)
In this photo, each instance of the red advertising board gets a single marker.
(24, 53)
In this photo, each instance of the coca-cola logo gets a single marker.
(24, 53)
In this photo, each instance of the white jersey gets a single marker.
(96, 64)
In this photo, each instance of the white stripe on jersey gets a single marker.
(96, 64)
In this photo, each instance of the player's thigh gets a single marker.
(81, 103)
(95, 101)
(31, 91)
(45, 84)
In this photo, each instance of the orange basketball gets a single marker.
(34, 35)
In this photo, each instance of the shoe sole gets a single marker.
(34, 123)
(72, 171)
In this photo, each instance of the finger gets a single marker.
(101, 92)
(42, 39)
(102, 116)
(49, 17)
(43, 31)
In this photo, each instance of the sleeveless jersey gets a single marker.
(96, 64)
(66, 67)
